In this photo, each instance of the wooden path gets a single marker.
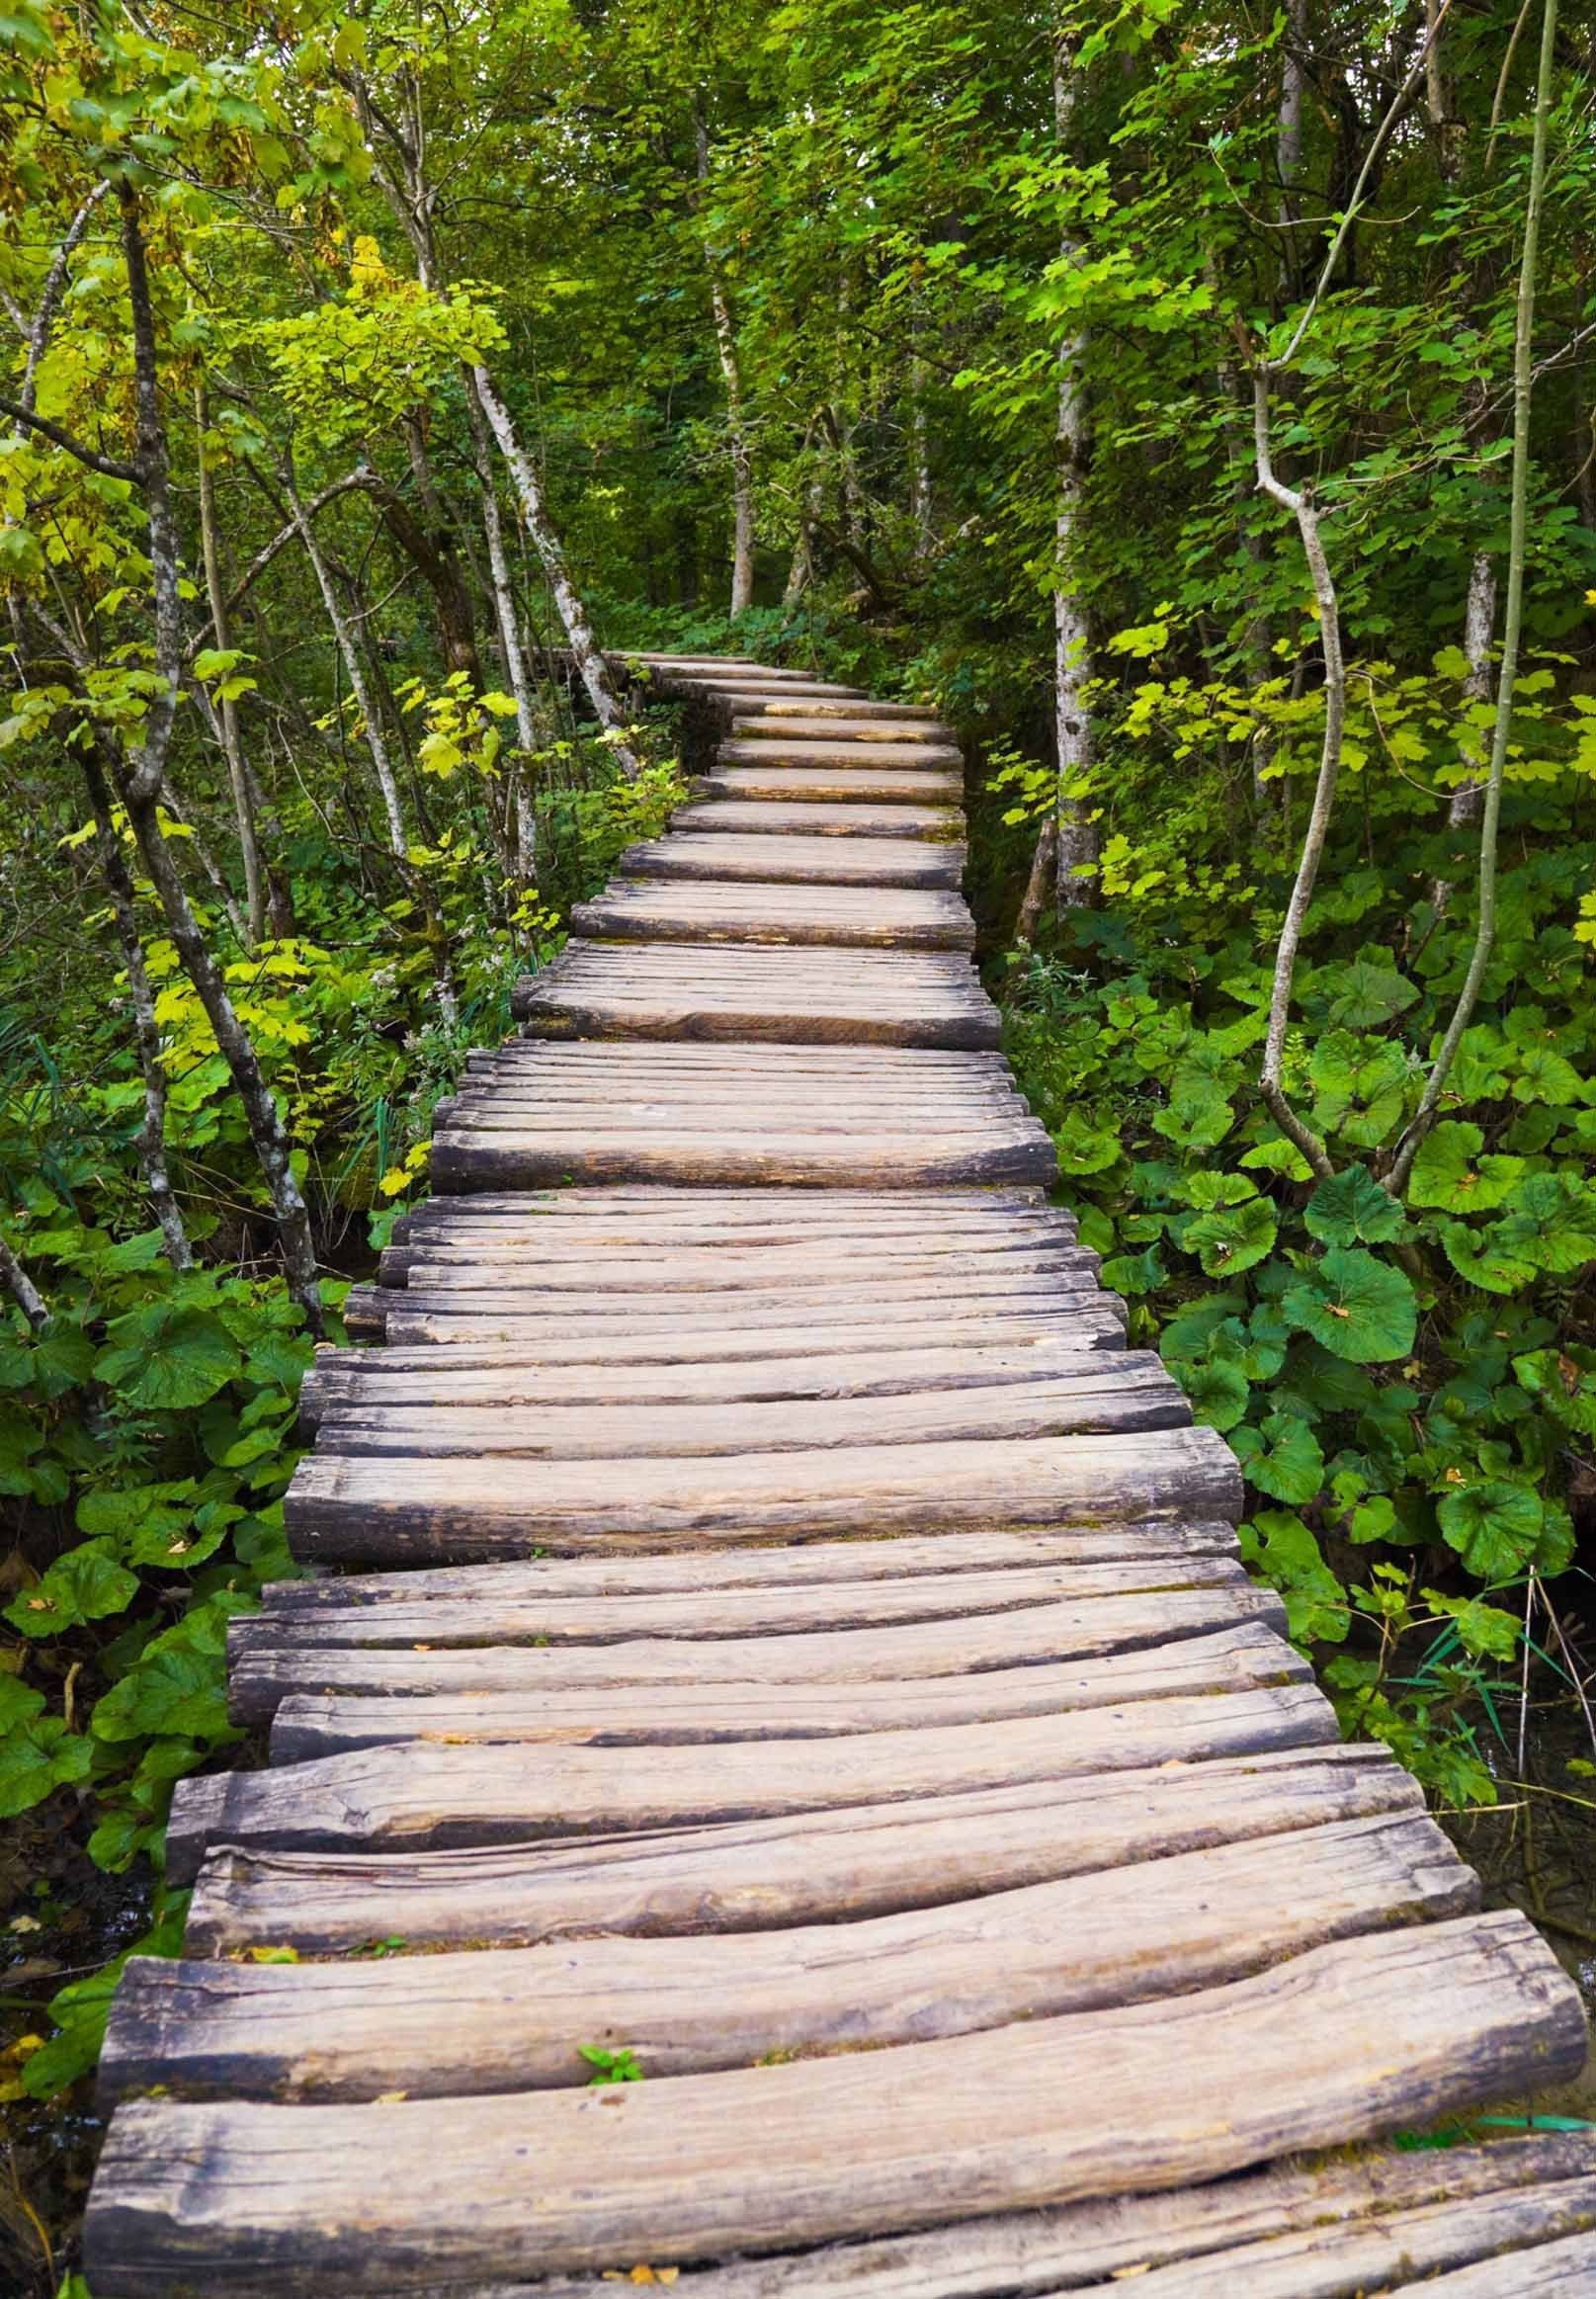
(990, 1907)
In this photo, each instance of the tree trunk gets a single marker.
(1076, 856)
(432, 554)
(226, 709)
(1040, 884)
(531, 735)
(738, 446)
(150, 1141)
(591, 666)
(920, 508)
(1289, 136)
(22, 1289)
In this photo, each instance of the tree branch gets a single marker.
(59, 438)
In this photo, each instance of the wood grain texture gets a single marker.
(890, 917)
(505, 2020)
(502, 1157)
(1098, 2244)
(814, 1868)
(350, 1510)
(817, 818)
(799, 861)
(846, 784)
(777, 745)
(310, 1724)
(1027, 1643)
(1342, 2042)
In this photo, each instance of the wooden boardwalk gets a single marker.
(990, 1907)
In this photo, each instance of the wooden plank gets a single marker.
(1049, 1267)
(776, 745)
(310, 1724)
(769, 706)
(453, 1235)
(527, 1606)
(832, 784)
(501, 1156)
(797, 720)
(1346, 2041)
(820, 1564)
(348, 1511)
(817, 995)
(809, 819)
(508, 2020)
(1112, 1400)
(814, 1868)
(862, 917)
(401, 1799)
(1079, 1320)
(1100, 2243)
(804, 861)
(343, 1379)
(278, 1663)
(1558, 2270)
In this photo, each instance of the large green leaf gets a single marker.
(1282, 1458)
(1548, 1222)
(1494, 1526)
(1360, 1084)
(1355, 1307)
(1353, 1210)
(85, 1585)
(1232, 1237)
(1277, 1544)
(1364, 993)
(167, 1361)
(1484, 1258)
(1450, 1173)
(1218, 1390)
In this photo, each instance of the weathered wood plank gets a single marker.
(798, 720)
(1128, 1547)
(1030, 1641)
(1080, 1321)
(816, 818)
(833, 785)
(346, 1510)
(401, 1799)
(814, 1868)
(1230, 1660)
(1049, 1267)
(499, 1155)
(1101, 2244)
(341, 1381)
(892, 918)
(1555, 2270)
(817, 996)
(816, 709)
(1346, 2041)
(527, 1605)
(812, 861)
(776, 745)
(509, 2020)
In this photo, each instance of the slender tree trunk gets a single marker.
(1041, 881)
(1076, 853)
(529, 732)
(1289, 136)
(591, 666)
(1479, 629)
(921, 518)
(233, 747)
(150, 1141)
(739, 444)
(22, 1289)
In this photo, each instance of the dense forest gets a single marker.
(1193, 403)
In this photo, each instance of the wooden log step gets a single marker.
(996, 1287)
(862, 917)
(707, 1251)
(508, 2019)
(1348, 2040)
(1112, 1399)
(797, 861)
(816, 1563)
(1335, 2230)
(774, 745)
(527, 1217)
(809, 996)
(422, 1793)
(837, 722)
(503, 1154)
(1079, 1320)
(310, 1724)
(846, 1212)
(343, 1381)
(936, 824)
(785, 706)
(808, 784)
(817, 1869)
(431, 1612)
(1030, 1641)
(1050, 1265)
(348, 1511)
(1559, 2270)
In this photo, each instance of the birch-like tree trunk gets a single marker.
(233, 747)
(530, 731)
(1076, 854)
(591, 666)
(739, 444)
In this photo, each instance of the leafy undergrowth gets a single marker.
(1408, 1382)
